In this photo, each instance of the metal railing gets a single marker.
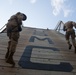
(2, 29)
(59, 27)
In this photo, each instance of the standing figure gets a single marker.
(69, 28)
(13, 27)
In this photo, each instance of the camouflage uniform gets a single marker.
(68, 27)
(13, 29)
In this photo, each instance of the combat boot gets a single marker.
(70, 46)
(10, 59)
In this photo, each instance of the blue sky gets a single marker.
(40, 13)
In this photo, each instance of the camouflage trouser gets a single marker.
(13, 40)
(72, 34)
